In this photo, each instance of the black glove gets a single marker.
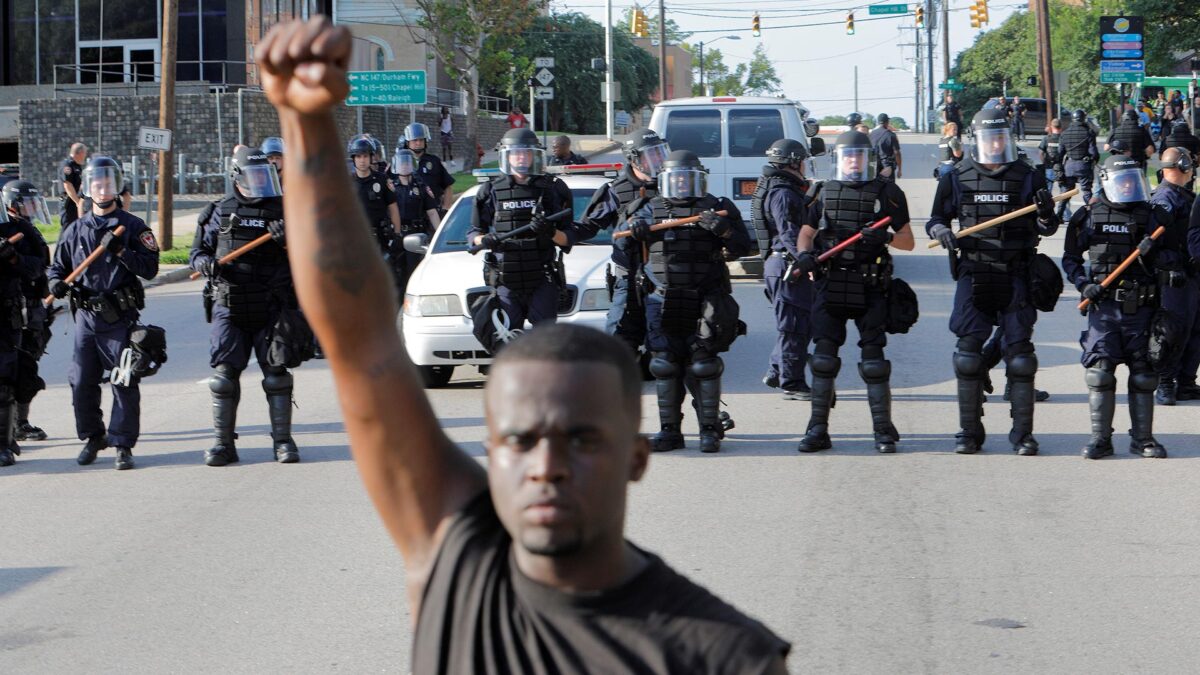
(1045, 204)
(1093, 292)
(710, 221)
(60, 289)
(1145, 246)
(944, 235)
(876, 236)
(211, 268)
(278, 232)
(543, 227)
(490, 241)
(112, 243)
(640, 230)
(801, 266)
(8, 252)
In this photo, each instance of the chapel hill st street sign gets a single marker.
(386, 87)
(901, 8)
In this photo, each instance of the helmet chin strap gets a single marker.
(105, 205)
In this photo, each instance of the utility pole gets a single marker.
(662, 51)
(609, 104)
(1045, 57)
(166, 120)
(945, 40)
(929, 65)
(856, 89)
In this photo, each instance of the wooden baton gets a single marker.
(1025, 210)
(79, 269)
(850, 241)
(1112, 276)
(239, 252)
(668, 224)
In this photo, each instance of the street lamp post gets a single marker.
(701, 44)
(916, 124)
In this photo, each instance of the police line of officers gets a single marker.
(826, 262)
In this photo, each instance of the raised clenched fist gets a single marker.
(302, 65)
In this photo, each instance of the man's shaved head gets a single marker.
(1171, 155)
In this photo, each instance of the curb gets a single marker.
(182, 273)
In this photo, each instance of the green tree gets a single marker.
(761, 78)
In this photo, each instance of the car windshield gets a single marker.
(452, 236)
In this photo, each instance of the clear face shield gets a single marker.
(854, 165)
(1125, 186)
(651, 158)
(404, 163)
(683, 183)
(101, 184)
(522, 160)
(257, 181)
(32, 207)
(994, 146)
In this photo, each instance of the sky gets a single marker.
(816, 63)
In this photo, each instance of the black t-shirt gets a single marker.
(481, 615)
(70, 172)
(885, 143)
(375, 195)
(954, 112)
(433, 174)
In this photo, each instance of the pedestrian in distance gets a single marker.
(532, 547)
(70, 171)
(516, 119)
(446, 127)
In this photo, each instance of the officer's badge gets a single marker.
(876, 206)
(67, 170)
(375, 187)
(147, 239)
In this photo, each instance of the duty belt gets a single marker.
(1133, 296)
(108, 305)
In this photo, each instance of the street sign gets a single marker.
(544, 76)
(1122, 66)
(543, 62)
(543, 93)
(1121, 53)
(951, 85)
(622, 118)
(150, 138)
(386, 87)
(1121, 78)
(901, 8)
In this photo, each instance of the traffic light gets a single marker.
(983, 11)
(755, 26)
(638, 25)
(975, 15)
(850, 23)
(979, 13)
(920, 12)
(1031, 81)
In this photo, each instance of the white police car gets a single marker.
(437, 328)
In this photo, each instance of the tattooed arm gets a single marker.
(415, 475)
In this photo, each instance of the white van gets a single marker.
(731, 135)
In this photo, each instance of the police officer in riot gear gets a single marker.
(417, 209)
(1052, 162)
(853, 285)
(691, 316)
(523, 269)
(244, 301)
(611, 205)
(993, 273)
(854, 119)
(950, 150)
(1134, 136)
(780, 212)
(1179, 286)
(22, 264)
(378, 199)
(1118, 223)
(105, 300)
(23, 202)
(430, 171)
(1078, 152)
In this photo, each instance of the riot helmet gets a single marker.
(646, 150)
(1118, 147)
(994, 143)
(853, 159)
(360, 146)
(417, 132)
(854, 119)
(1079, 116)
(1129, 116)
(787, 152)
(683, 177)
(520, 153)
(404, 162)
(254, 175)
(1124, 180)
(102, 180)
(271, 146)
(24, 199)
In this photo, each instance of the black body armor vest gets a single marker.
(1115, 232)
(1076, 141)
(524, 260)
(766, 229)
(687, 257)
(847, 208)
(983, 197)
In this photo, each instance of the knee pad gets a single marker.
(969, 344)
(875, 371)
(824, 365)
(1022, 367)
(825, 348)
(1100, 376)
(663, 366)
(277, 381)
(1143, 380)
(969, 364)
(224, 381)
(872, 353)
(708, 369)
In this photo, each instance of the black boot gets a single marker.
(277, 384)
(1167, 393)
(877, 373)
(25, 430)
(1102, 403)
(226, 394)
(1142, 384)
(1186, 390)
(90, 449)
(670, 414)
(708, 386)
(124, 460)
(825, 368)
(969, 369)
(8, 443)
(1021, 370)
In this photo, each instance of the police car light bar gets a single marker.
(484, 175)
(585, 169)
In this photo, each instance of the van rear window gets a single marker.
(695, 130)
(751, 132)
